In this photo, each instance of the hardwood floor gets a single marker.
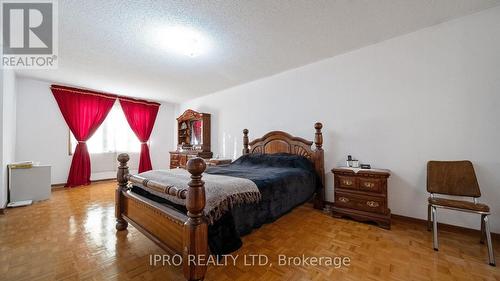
(72, 237)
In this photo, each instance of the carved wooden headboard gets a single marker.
(282, 142)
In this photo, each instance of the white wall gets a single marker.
(431, 94)
(42, 134)
(7, 129)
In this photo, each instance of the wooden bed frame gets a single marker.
(187, 234)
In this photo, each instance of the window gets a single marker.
(114, 135)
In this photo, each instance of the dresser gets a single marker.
(178, 159)
(362, 195)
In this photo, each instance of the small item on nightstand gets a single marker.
(349, 161)
(366, 166)
(352, 163)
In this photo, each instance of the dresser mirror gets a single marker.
(196, 136)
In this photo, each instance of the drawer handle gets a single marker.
(347, 182)
(343, 199)
(369, 184)
(372, 204)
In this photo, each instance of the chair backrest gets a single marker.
(452, 178)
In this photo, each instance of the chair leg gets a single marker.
(482, 229)
(435, 229)
(429, 226)
(491, 255)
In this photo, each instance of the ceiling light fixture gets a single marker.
(181, 40)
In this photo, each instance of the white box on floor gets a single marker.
(29, 183)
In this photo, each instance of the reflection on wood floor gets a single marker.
(72, 237)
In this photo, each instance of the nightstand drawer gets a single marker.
(347, 182)
(370, 184)
(360, 202)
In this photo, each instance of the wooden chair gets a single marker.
(459, 179)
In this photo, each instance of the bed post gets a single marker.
(320, 159)
(122, 179)
(195, 238)
(245, 142)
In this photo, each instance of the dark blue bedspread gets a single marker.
(284, 181)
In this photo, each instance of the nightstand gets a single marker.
(361, 194)
(217, 162)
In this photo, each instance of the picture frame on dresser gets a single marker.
(361, 194)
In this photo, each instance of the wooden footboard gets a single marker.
(172, 230)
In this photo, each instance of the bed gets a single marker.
(194, 231)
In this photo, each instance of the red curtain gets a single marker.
(84, 111)
(141, 116)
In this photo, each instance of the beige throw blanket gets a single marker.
(222, 192)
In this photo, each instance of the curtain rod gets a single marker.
(88, 91)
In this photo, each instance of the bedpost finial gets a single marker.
(246, 150)
(196, 166)
(318, 126)
(123, 158)
(318, 138)
(121, 174)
